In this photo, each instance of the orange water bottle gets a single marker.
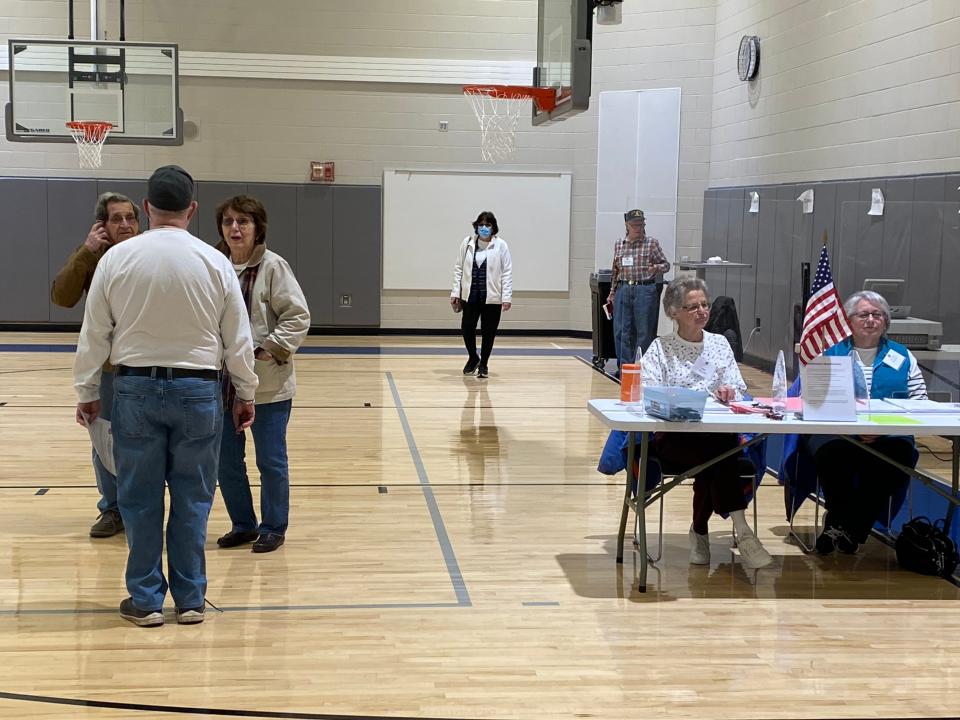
(631, 384)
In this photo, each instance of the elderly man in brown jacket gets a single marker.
(117, 219)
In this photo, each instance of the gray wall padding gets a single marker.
(330, 235)
(917, 239)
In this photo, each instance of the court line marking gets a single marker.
(361, 350)
(449, 557)
(186, 710)
(395, 485)
(245, 608)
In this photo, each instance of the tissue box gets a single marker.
(674, 403)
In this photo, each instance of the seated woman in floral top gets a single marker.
(699, 360)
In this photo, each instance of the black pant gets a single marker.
(857, 486)
(489, 317)
(717, 489)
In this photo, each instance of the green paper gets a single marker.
(893, 419)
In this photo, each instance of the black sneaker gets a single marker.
(143, 618)
(471, 367)
(190, 616)
(482, 372)
(826, 542)
(835, 537)
(268, 542)
(237, 537)
(846, 544)
(107, 525)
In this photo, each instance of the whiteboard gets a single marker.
(427, 213)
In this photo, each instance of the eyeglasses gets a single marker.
(696, 306)
(868, 315)
(117, 219)
(241, 222)
(484, 224)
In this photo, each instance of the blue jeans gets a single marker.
(634, 319)
(166, 433)
(270, 444)
(106, 480)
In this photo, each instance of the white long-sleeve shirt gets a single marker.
(164, 298)
(673, 361)
(916, 385)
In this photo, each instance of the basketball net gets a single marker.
(90, 137)
(498, 114)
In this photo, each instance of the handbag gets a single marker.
(458, 306)
(925, 548)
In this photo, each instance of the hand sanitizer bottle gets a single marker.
(779, 394)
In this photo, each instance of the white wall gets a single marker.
(847, 89)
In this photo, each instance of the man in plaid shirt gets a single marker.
(637, 261)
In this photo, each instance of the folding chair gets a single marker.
(746, 470)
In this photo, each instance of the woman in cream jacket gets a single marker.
(482, 288)
(279, 321)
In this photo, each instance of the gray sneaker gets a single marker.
(143, 618)
(190, 616)
(107, 525)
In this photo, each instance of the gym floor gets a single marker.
(450, 555)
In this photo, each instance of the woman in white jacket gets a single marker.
(279, 321)
(482, 287)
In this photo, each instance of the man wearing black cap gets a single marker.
(637, 261)
(166, 309)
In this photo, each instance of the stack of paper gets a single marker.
(879, 406)
(925, 406)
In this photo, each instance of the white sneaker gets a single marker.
(699, 548)
(752, 553)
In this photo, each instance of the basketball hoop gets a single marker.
(497, 108)
(90, 136)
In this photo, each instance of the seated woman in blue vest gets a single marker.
(857, 485)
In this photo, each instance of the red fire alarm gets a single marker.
(322, 171)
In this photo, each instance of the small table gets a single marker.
(616, 416)
(702, 267)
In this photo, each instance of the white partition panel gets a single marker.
(427, 213)
(638, 156)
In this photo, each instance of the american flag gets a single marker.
(825, 322)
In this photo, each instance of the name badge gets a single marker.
(703, 368)
(893, 359)
(627, 261)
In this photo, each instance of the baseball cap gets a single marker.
(170, 188)
(633, 215)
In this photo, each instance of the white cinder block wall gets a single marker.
(847, 89)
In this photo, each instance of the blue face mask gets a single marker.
(484, 231)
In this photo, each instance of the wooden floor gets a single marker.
(450, 555)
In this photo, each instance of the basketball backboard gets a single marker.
(134, 86)
(564, 56)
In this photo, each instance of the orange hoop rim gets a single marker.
(92, 124)
(544, 98)
(92, 129)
